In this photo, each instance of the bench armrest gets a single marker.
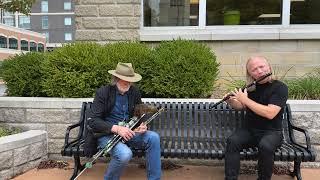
(67, 136)
(306, 134)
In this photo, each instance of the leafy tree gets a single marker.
(22, 6)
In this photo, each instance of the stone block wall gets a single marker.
(22, 152)
(107, 20)
(52, 115)
(292, 58)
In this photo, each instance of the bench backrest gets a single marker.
(194, 120)
(197, 120)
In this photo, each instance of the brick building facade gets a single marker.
(16, 40)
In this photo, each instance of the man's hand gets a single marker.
(234, 101)
(124, 132)
(239, 95)
(141, 129)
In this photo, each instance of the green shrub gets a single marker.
(75, 70)
(181, 69)
(306, 87)
(174, 69)
(140, 55)
(23, 75)
(6, 131)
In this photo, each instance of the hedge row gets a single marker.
(175, 69)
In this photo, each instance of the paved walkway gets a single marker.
(133, 172)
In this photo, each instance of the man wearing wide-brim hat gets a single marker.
(113, 104)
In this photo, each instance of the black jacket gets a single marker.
(103, 104)
(101, 107)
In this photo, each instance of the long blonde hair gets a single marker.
(249, 78)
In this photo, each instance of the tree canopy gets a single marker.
(22, 6)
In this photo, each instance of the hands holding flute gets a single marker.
(126, 133)
(236, 98)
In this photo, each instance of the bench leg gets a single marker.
(77, 166)
(296, 170)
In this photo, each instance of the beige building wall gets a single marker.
(292, 58)
(106, 21)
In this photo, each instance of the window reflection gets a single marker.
(13, 43)
(24, 22)
(8, 19)
(305, 12)
(243, 12)
(24, 45)
(171, 12)
(40, 47)
(45, 23)
(33, 46)
(3, 42)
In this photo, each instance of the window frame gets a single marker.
(6, 39)
(23, 17)
(40, 45)
(230, 32)
(44, 10)
(25, 40)
(10, 44)
(31, 47)
(42, 24)
(64, 5)
(67, 21)
(68, 34)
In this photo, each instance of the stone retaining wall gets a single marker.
(55, 114)
(21, 152)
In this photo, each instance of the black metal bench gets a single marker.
(193, 130)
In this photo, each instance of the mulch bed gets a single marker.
(48, 164)
(253, 169)
(165, 165)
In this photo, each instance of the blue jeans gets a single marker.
(121, 155)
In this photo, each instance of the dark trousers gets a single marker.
(267, 142)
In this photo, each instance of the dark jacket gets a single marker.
(103, 104)
(101, 107)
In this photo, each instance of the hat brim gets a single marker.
(135, 78)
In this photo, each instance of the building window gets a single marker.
(13, 43)
(45, 23)
(67, 5)
(229, 12)
(171, 13)
(24, 45)
(44, 6)
(24, 22)
(3, 42)
(68, 36)
(8, 19)
(47, 36)
(241, 12)
(33, 46)
(40, 47)
(67, 21)
(305, 12)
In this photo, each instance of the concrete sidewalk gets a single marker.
(133, 172)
